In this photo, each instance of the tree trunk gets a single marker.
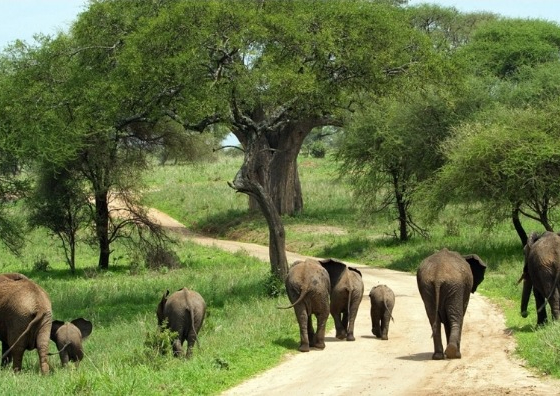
(102, 228)
(247, 181)
(518, 226)
(401, 208)
(282, 182)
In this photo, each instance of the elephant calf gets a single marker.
(382, 301)
(184, 311)
(308, 286)
(68, 337)
(445, 281)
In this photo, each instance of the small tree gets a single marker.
(60, 203)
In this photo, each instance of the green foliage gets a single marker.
(160, 341)
(505, 46)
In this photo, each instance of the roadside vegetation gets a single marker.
(121, 354)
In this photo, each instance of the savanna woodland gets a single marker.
(394, 130)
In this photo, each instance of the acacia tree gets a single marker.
(272, 71)
(506, 158)
(85, 118)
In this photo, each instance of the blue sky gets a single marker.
(20, 19)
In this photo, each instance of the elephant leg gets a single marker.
(453, 326)
(540, 303)
(303, 321)
(177, 347)
(310, 330)
(386, 319)
(17, 356)
(350, 328)
(340, 329)
(321, 328)
(8, 358)
(555, 304)
(375, 322)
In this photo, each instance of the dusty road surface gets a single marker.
(402, 365)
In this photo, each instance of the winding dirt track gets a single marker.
(402, 365)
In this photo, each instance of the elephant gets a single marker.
(382, 301)
(25, 320)
(184, 311)
(308, 286)
(445, 281)
(347, 290)
(541, 273)
(68, 337)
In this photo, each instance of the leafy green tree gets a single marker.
(506, 164)
(70, 107)
(272, 71)
(59, 202)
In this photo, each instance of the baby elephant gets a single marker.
(184, 311)
(382, 303)
(68, 337)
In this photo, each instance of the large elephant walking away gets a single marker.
(541, 274)
(25, 320)
(68, 337)
(347, 290)
(308, 286)
(382, 301)
(445, 281)
(184, 311)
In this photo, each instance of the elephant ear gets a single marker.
(85, 326)
(354, 269)
(54, 328)
(334, 268)
(161, 307)
(478, 267)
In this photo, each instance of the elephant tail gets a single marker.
(437, 287)
(300, 298)
(59, 352)
(554, 286)
(30, 325)
(387, 308)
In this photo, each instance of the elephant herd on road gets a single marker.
(445, 281)
(315, 288)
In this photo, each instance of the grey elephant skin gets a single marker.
(25, 320)
(308, 287)
(184, 311)
(69, 337)
(347, 290)
(382, 300)
(541, 274)
(445, 281)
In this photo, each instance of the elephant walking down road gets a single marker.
(445, 281)
(541, 273)
(184, 311)
(347, 290)
(308, 286)
(382, 301)
(25, 320)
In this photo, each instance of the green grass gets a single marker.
(244, 332)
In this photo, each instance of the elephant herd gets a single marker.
(315, 288)
(26, 322)
(445, 281)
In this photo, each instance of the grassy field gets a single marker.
(234, 343)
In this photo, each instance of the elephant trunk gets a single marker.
(525, 295)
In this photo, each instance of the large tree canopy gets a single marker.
(271, 71)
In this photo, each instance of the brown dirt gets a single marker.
(402, 365)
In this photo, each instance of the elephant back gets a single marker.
(305, 277)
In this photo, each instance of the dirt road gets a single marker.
(402, 365)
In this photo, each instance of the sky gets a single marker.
(21, 19)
